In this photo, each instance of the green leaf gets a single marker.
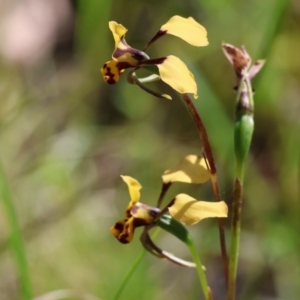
(172, 226)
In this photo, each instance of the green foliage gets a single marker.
(169, 224)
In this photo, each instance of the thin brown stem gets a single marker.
(164, 189)
(213, 172)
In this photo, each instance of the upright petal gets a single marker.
(175, 73)
(191, 169)
(123, 52)
(134, 188)
(187, 29)
(118, 31)
(189, 211)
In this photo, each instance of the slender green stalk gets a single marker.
(213, 171)
(133, 268)
(201, 273)
(16, 241)
(235, 238)
(169, 224)
(244, 126)
(130, 273)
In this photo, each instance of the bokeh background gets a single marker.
(66, 136)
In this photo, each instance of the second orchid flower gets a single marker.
(182, 209)
(170, 69)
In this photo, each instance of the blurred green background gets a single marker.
(66, 136)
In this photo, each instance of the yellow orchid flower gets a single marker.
(171, 69)
(182, 209)
(137, 214)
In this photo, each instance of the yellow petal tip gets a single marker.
(191, 169)
(187, 29)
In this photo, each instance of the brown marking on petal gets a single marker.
(127, 233)
(109, 76)
(124, 230)
(128, 212)
(123, 65)
(137, 222)
(124, 238)
(112, 70)
(119, 226)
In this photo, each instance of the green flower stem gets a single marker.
(213, 171)
(201, 273)
(244, 126)
(133, 268)
(235, 238)
(176, 228)
(16, 241)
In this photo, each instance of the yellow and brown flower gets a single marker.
(171, 69)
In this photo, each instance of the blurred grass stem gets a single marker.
(16, 241)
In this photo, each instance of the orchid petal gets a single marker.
(111, 72)
(189, 211)
(118, 31)
(124, 230)
(175, 73)
(187, 29)
(191, 169)
(134, 190)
